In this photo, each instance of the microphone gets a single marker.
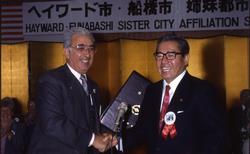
(122, 108)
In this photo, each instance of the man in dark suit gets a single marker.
(193, 122)
(12, 128)
(68, 102)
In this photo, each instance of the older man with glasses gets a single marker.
(180, 114)
(68, 102)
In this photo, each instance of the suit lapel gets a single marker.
(181, 94)
(157, 100)
(94, 96)
(77, 104)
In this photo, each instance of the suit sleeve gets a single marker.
(210, 122)
(53, 121)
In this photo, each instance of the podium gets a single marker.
(131, 93)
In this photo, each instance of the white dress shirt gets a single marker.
(173, 85)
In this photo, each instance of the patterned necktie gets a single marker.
(164, 107)
(84, 84)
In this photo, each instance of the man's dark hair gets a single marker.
(182, 43)
(10, 103)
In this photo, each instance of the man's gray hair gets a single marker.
(77, 30)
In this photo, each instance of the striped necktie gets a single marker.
(84, 84)
(164, 107)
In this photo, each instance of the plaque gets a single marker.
(131, 93)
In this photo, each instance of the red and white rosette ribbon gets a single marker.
(169, 127)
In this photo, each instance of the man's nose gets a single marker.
(165, 59)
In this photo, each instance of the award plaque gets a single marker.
(131, 93)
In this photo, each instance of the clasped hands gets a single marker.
(104, 141)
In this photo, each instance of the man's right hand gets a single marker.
(103, 142)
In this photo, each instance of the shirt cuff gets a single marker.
(92, 140)
(119, 146)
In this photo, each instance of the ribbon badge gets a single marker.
(169, 127)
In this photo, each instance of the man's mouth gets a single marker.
(85, 60)
(165, 69)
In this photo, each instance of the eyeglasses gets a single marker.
(169, 55)
(82, 47)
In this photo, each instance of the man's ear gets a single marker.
(186, 59)
(66, 52)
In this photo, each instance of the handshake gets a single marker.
(105, 141)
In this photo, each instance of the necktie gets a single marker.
(164, 106)
(84, 84)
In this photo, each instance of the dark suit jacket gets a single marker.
(16, 143)
(199, 120)
(63, 124)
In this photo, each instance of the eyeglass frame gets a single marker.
(82, 47)
(166, 55)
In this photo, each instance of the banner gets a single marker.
(48, 20)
